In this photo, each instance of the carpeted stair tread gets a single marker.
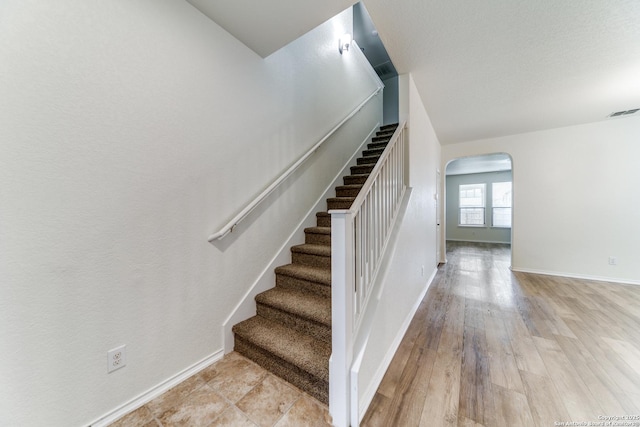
(305, 272)
(374, 152)
(384, 138)
(367, 160)
(313, 255)
(361, 169)
(307, 248)
(306, 312)
(301, 350)
(385, 133)
(342, 199)
(349, 190)
(376, 145)
(291, 373)
(389, 126)
(339, 202)
(355, 178)
(351, 186)
(318, 235)
(302, 304)
(323, 219)
(319, 230)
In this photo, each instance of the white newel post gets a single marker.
(342, 265)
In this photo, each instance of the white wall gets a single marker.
(485, 233)
(405, 281)
(576, 198)
(129, 131)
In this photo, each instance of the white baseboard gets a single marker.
(369, 394)
(577, 276)
(156, 391)
(246, 308)
(478, 241)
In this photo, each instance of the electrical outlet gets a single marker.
(613, 260)
(116, 358)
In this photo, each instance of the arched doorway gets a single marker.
(478, 206)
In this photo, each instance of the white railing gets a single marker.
(229, 226)
(359, 236)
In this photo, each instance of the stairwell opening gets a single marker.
(366, 35)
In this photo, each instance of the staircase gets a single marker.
(291, 334)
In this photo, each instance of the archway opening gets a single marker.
(478, 206)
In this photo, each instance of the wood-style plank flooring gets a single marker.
(491, 347)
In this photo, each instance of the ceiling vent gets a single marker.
(385, 70)
(624, 113)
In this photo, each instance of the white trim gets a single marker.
(156, 391)
(477, 241)
(342, 269)
(369, 394)
(577, 276)
(246, 308)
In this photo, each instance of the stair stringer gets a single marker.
(246, 307)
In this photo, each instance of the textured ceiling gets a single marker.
(483, 69)
(500, 67)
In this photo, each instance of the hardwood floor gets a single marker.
(490, 347)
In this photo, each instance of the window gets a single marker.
(472, 199)
(501, 206)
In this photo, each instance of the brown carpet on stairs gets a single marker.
(291, 333)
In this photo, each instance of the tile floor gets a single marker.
(232, 392)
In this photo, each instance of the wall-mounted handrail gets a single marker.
(229, 226)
